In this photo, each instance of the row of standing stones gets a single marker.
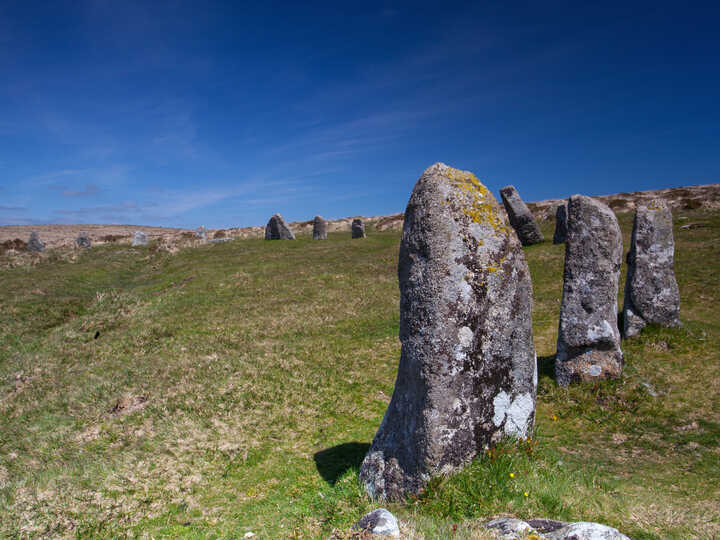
(468, 370)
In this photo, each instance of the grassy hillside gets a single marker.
(236, 387)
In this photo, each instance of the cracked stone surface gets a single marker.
(467, 375)
(651, 291)
(588, 346)
(520, 216)
(319, 228)
(278, 229)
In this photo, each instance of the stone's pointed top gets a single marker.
(467, 373)
(520, 217)
(278, 229)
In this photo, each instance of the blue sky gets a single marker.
(222, 113)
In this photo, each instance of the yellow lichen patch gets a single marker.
(482, 208)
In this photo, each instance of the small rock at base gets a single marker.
(583, 530)
(509, 528)
(379, 522)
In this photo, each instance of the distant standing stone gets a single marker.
(140, 239)
(34, 243)
(560, 225)
(380, 522)
(651, 292)
(201, 233)
(277, 229)
(520, 217)
(467, 374)
(358, 228)
(588, 346)
(83, 240)
(319, 228)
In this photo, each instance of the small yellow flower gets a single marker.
(554, 418)
(512, 475)
(526, 494)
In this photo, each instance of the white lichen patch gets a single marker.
(465, 335)
(501, 403)
(515, 413)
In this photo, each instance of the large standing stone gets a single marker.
(319, 228)
(520, 217)
(560, 225)
(201, 233)
(34, 243)
(651, 292)
(358, 228)
(467, 374)
(83, 240)
(588, 346)
(277, 229)
(140, 239)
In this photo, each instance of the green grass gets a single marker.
(236, 387)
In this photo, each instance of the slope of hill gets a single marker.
(235, 387)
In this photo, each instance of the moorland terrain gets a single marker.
(231, 388)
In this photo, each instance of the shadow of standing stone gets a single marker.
(334, 462)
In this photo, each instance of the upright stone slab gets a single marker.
(560, 225)
(140, 239)
(319, 228)
(201, 233)
(651, 292)
(34, 243)
(358, 228)
(277, 229)
(588, 346)
(467, 375)
(520, 217)
(83, 240)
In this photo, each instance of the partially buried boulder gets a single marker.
(358, 228)
(139, 239)
(588, 346)
(560, 225)
(277, 229)
(319, 228)
(83, 240)
(34, 244)
(651, 292)
(520, 217)
(467, 373)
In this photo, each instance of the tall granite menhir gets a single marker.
(319, 228)
(278, 229)
(520, 217)
(560, 225)
(651, 292)
(467, 375)
(358, 228)
(588, 346)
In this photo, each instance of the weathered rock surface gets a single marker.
(520, 217)
(548, 529)
(560, 225)
(319, 228)
(588, 344)
(277, 229)
(83, 240)
(358, 228)
(651, 292)
(467, 373)
(34, 243)
(380, 522)
(139, 239)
